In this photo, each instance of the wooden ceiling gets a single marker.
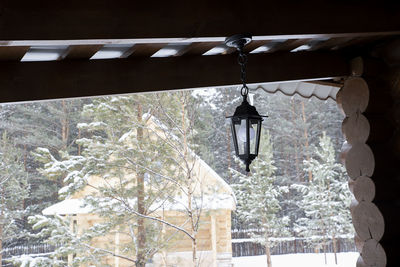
(86, 48)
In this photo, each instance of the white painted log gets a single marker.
(359, 161)
(339, 101)
(363, 189)
(356, 128)
(354, 96)
(373, 254)
(359, 243)
(351, 183)
(343, 151)
(360, 262)
(354, 203)
(368, 221)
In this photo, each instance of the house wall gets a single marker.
(213, 239)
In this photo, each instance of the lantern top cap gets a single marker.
(245, 110)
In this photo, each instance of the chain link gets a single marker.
(242, 60)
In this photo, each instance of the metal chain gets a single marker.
(242, 60)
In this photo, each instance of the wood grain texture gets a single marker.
(373, 254)
(360, 161)
(354, 96)
(364, 189)
(356, 128)
(368, 221)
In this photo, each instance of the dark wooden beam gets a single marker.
(27, 81)
(81, 51)
(12, 52)
(104, 21)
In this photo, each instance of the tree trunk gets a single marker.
(1, 240)
(1, 225)
(324, 247)
(306, 138)
(268, 251)
(191, 212)
(228, 146)
(79, 146)
(64, 125)
(141, 253)
(64, 138)
(295, 144)
(334, 247)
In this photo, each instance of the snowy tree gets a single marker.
(13, 191)
(181, 132)
(326, 199)
(141, 163)
(46, 124)
(258, 198)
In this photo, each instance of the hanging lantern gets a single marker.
(245, 122)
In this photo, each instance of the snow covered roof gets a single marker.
(67, 206)
(207, 202)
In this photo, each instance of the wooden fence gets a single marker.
(298, 245)
(25, 250)
(241, 246)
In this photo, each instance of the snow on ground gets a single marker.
(347, 259)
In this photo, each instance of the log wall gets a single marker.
(383, 114)
(370, 100)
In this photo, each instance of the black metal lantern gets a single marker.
(245, 122)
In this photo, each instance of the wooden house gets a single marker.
(215, 199)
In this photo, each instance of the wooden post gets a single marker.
(214, 239)
(116, 259)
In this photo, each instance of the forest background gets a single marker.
(298, 131)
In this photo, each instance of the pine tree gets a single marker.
(258, 198)
(51, 125)
(14, 190)
(325, 199)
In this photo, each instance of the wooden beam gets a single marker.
(143, 50)
(27, 81)
(254, 45)
(115, 20)
(288, 45)
(197, 48)
(81, 51)
(12, 53)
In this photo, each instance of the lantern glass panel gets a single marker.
(240, 135)
(254, 144)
